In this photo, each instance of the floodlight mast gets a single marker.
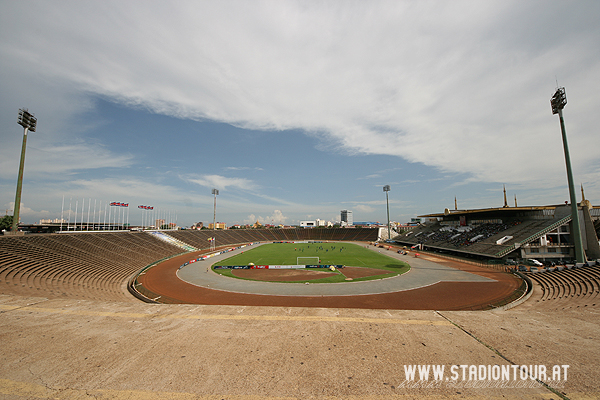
(29, 123)
(386, 189)
(558, 102)
(215, 192)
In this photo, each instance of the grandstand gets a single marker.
(567, 288)
(96, 265)
(103, 347)
(507, 233)
(81, 265)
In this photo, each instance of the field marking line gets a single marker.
(305, 318)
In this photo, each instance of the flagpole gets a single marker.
(88, 220)
(62, 211)
(99, 211)
(69, 223)
(76, 208)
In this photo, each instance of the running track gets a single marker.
(439, 284)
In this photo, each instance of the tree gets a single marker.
(6, 222)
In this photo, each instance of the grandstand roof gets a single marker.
(448, 212)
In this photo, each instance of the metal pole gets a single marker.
(388, 216)
(62, 212)
(579, 252)
(215, 192)
(386, 189)
(69, 222)
(82, 208)
(76, 209)
(87, 228)
(15, 222)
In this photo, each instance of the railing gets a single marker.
(536, 235)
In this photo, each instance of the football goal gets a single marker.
(307, 260)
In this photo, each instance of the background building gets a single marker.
(346, 218)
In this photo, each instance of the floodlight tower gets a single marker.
(386, 189)
(28, 122)
(215, 192)
(558, 102)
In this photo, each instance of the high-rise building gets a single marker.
(346, 217)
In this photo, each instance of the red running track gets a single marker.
(163, 281)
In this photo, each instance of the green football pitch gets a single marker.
(347, 254)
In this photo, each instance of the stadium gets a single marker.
(120, 314)
(293, 112)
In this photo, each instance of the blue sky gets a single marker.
(297, 110)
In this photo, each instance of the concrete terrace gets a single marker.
(70, 330)
(78, 349)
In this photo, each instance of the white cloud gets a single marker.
(27, 212)
(364, 208)
(222, 182)
(276, 218)
(58, 161)
(243, 168)
(461, 86)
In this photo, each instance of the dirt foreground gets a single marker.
(72, 349)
